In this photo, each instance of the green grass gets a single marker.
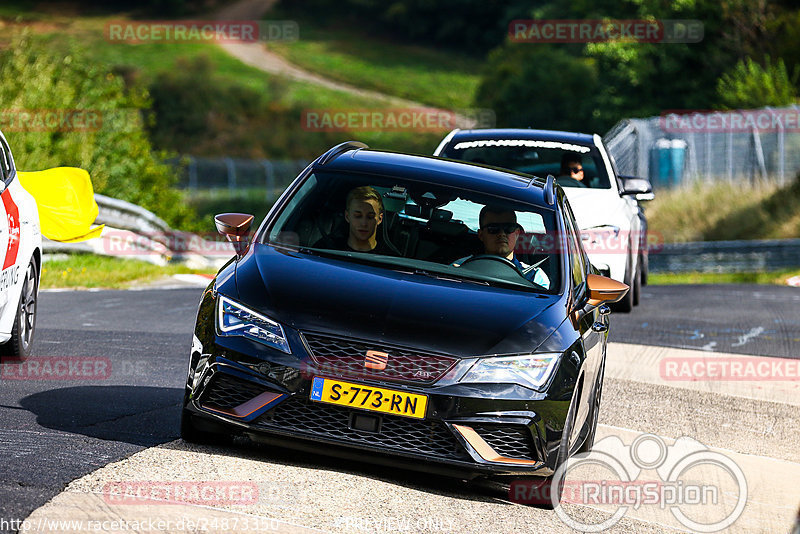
(723, 211)
(772, 277)
(84, 271)
(355, 57)
(208, 203)
(145, 61)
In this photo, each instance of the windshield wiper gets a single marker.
(448, 278)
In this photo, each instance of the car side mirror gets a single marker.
(236, 228)
(604, 290)
(640, 188)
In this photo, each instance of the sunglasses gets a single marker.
(506, 228)
(575, 170)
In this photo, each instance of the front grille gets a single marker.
(226, 391)
(511, 441)
(315, 420)
(347, 356)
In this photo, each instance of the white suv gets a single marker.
(606, 207)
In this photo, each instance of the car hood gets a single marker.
(596, 207)
(313, 293)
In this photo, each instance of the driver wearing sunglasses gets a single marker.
(571, 173)
(499, 232)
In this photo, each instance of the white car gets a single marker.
(606, 207)
(21, 246)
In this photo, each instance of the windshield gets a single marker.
(421, 228)
(573, 165)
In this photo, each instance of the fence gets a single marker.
(677, 149)
(234, 174)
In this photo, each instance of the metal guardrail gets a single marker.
(726, 256)
(147, 228)
(136, 233)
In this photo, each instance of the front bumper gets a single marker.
(492, 429)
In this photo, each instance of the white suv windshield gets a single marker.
(538, 158)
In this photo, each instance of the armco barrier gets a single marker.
(126, 222)
(702, 256)
(726, 256)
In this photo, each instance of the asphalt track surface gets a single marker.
(56, 431)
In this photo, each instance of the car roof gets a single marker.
(524, 133)
(431, 169)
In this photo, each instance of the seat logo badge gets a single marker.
(376, 360)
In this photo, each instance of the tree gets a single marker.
(541, 87)
(749, 85)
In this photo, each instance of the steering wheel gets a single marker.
(501, 259)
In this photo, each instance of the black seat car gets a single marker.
(424, 351)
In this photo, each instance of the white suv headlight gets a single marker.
(234, 319)
(532, 370)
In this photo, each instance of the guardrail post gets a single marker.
(269, 171)
(192, 174)
(231, 174)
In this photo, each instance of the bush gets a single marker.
(117, 153)
(196, 111)
(541, 87)
(749, 85)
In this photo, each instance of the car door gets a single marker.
(592, 338)
(9, 224)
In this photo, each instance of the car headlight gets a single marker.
(234, 319)
(600, 231)
(533, 370)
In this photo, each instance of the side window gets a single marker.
(5, 161)
(576, 254)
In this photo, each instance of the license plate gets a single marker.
(369, 398)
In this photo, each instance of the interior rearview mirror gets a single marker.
(236, 228)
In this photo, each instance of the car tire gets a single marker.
(19, 345)
(545, 486)
(191, 432)
(645, 268)
(626, 304)
(636, 289)
(588, 443)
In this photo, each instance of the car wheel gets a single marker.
(589, 441)
(19, 345)
(645, 268)
(545, 487)
(202, 434)
(636, 289)
(626, 304)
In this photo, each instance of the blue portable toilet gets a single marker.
(667, 159)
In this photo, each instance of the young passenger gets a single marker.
(364, 215)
